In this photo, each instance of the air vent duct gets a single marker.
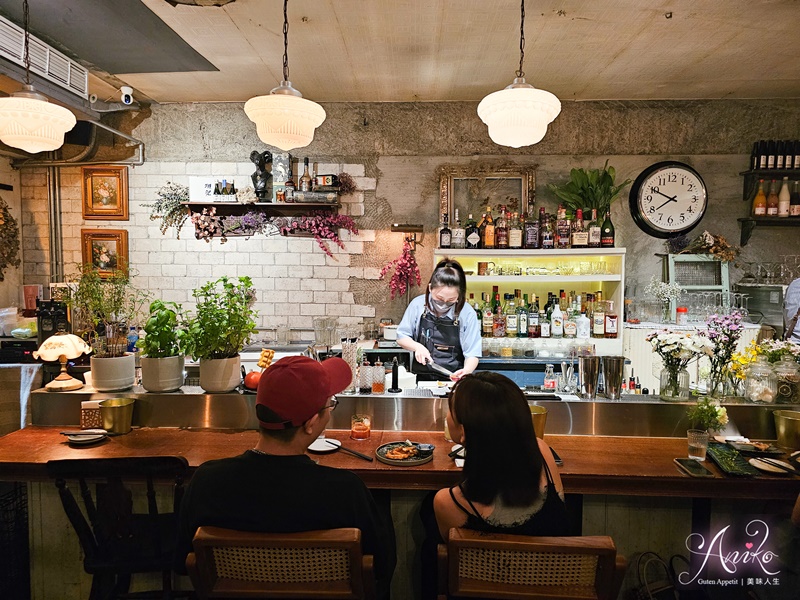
(46, 62)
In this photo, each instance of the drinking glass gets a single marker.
(698, 443)
(360, 426)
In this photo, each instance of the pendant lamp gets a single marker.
(284, 118)
(519, 114)
(27, 119)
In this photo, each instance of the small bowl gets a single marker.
(425, 450)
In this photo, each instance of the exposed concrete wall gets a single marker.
(400, 146)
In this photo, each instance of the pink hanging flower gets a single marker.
(406, 272)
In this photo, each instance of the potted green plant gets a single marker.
(589, 189)
(103, 309)
(224, 321)
(163, 347)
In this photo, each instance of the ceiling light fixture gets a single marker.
(27, 119)
(284, 118)
(519, 114)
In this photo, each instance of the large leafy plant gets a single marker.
(104, 308)
(225, 318)
(589, 188)
(167, 334)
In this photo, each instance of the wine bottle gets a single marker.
(760, 201)
(794, 200)
(784, 199)
(772, 200)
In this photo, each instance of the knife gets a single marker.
(439, 369)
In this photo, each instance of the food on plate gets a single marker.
(402, 452)
(760, 445)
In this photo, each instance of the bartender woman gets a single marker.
(441, 327)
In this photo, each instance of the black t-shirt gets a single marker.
(283, 494)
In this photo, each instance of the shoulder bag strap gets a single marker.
(787, 333)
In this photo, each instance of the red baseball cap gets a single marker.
(295, 388)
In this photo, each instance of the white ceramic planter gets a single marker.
(113, 374)
(162, 374)
(219, 375)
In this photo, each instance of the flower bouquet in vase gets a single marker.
(676, 350)
(722, 334)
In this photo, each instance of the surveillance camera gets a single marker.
(127, 94)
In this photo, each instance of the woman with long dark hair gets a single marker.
(441, 327)
(510, 482)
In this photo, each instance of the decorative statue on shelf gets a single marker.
(262, 178)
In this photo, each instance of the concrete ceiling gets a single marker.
(437, 50)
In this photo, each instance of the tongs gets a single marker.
(440, 369)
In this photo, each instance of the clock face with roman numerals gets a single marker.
(667, 199)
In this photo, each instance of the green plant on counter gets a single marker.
(707, 414)
(588, 189)
(167, 334)
(103, 308)
(225, 318)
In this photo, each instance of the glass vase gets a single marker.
(666, 312)
(674, 384)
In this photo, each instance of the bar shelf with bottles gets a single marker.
(580, 270)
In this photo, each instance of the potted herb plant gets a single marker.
(589, 189)
(103, 309)
(163, 347)
(222, 326)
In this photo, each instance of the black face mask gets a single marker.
(441, 308)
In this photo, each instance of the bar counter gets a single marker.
(593, 465)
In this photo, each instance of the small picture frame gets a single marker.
(105, 249)
(105, 193)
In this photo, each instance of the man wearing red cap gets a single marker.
(275, 487)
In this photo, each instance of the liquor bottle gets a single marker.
(612, 321)
(580, 236)
(515, 232)
(562, 229)
(534, 330)
(784, 199)
(488, 237)
(501, 230)
(762, 154)
(472, 235)
(754, 155)
(557, 322)
(796, 155)
(544, 325)
(794, 201)
(594, 230)
(779, 154)
(531, 232)
(760, 201)
(772, 200)
(607, 232)
(548, 233)
(583, 327)
(522, 317)
(788, 154)
(499, 320)
(445, 235)
(458, 235)
(289, 187)
(570, 324)
(771, 154)
(305, 179)
(487, 316)
(510, 314)
(599, 319)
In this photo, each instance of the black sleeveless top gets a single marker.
(550, 519)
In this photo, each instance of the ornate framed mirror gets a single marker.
(471, 188)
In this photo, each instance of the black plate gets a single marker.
(730, 461)
(406, 462)
(751, 450)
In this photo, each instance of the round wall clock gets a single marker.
(667, 199)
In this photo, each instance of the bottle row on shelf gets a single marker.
(783, 203)
(775, 154)
(512, 230)
(574, 316)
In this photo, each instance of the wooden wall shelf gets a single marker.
(277, 209)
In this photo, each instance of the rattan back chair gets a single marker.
(512, 567)
(116, 537)
(326, 564)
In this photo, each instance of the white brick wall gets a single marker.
(295, 279)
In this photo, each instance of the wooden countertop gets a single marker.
(634, 466)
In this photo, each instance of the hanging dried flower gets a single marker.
(9, 240)
(168, 208)
(406, 272)
(347, 184)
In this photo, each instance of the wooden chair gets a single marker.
(116, 540)
(513, 567)
(326, 564)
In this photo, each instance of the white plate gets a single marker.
(85, 440)
(768, 468)
(324, 445)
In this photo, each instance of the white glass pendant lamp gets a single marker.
(27, 120)
(284, 118)
(519, 114)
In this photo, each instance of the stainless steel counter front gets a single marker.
(645, 416)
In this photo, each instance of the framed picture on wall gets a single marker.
(471, 188)
(105, 249)
(105, 193)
